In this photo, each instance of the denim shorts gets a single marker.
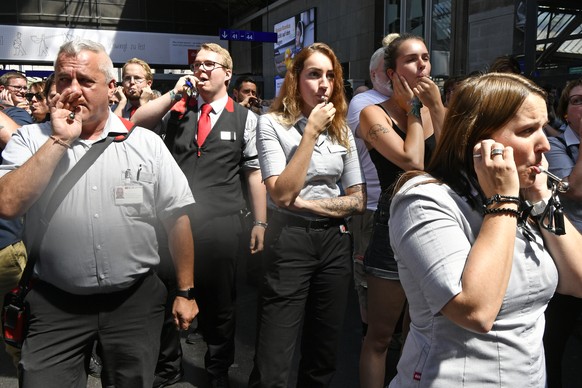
(379, 258)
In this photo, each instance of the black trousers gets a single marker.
(170, 358)
(63, 328)
(307, 278)
(561, 315)
(216, 249)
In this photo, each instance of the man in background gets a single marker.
(245, 93)
(136, 83)
(213, 140)
(361, 225)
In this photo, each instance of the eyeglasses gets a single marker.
(18, 88)
(38, 96)
(208, 65)
(575, 99)
(136, 80)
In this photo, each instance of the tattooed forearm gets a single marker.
(375, 131)
(352, 203)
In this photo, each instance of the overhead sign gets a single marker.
(40, 45)
(248, 36)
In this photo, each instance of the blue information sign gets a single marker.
(249, 36)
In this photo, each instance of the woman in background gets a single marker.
(565, 162)
(400, 134)
(37, 101)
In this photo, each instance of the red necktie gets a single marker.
(132, 110)
(204, 124)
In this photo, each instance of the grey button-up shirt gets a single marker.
(331, 163)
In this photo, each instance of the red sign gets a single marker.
(192, 55)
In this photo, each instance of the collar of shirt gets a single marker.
(217, 106)
(300, 127)
(571, 137)
(300, 124)
(114, 125)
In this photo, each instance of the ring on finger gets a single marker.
(496, 151)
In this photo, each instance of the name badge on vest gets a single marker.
(227, 136)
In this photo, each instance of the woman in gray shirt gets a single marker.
(479, 264)
(305, 151)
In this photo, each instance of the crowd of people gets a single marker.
(455, 212)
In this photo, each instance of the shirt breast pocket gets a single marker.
(136, 200)
(331, 161)
(337, 149)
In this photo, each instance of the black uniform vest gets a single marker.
(213, 170)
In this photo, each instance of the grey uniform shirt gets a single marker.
(330, 163)
(432, 230)
(562, 158)
(102, 237)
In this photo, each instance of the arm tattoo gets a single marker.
(346, 205)
(375, 131)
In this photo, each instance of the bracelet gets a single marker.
(415, 107)
(175, 97)
(261, 224)
(502, 210)
(538, 208)
(59, 141)
(498, 198)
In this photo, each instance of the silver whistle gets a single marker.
(561, 186)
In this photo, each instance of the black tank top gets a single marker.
(388, 172)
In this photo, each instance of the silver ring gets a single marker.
(72, 115)
(476, 155)
(496, 151)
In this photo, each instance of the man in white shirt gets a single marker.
(361, 225)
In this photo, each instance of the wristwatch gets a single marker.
(539, 207)
(188, 294)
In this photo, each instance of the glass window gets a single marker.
(415, 18)
(440, 37)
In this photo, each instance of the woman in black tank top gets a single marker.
(400, 134)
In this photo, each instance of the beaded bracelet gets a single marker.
(502, 210)
(498, 198)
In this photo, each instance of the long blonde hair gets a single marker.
(287, 106)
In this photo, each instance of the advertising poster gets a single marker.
(292, 35)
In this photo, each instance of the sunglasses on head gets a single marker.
(29, 96)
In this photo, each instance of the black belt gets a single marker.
(300, 222)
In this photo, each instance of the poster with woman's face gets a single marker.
(292, 35)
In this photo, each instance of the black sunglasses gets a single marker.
(39, 96)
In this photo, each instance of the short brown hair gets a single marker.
(565, 97)
(6, 77)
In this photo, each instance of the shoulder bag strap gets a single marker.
(57, 197)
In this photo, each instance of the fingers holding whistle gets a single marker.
(186, 85)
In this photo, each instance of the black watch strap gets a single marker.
(188, 294)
